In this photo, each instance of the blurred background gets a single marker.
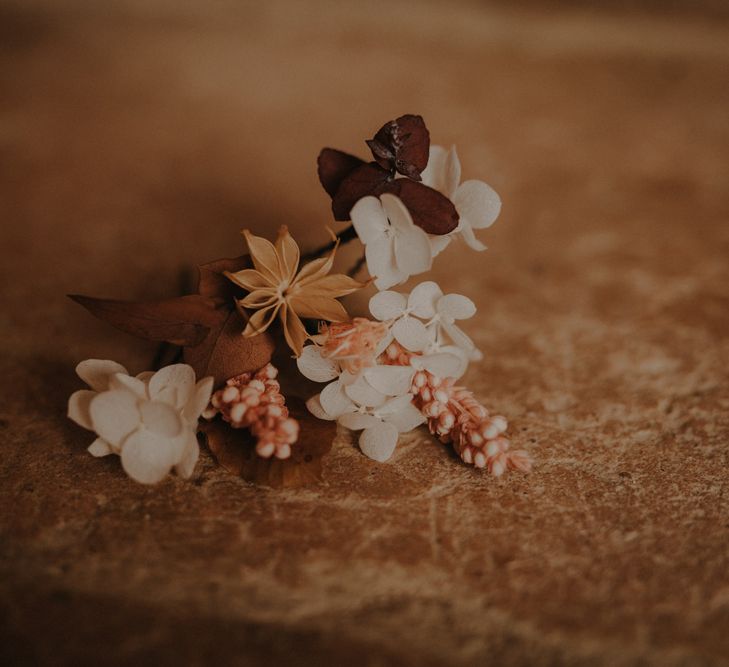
(137, 137)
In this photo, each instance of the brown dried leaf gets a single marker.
(334, 166)
(430, 210)
(185, 320)
(369, 179)
(213, 282)
(234, 449)
(403, 145)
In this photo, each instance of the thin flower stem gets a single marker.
(343, 237)
(357, 266)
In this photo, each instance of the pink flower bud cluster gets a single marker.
(455, 416)
(352, 344)
(254, 401)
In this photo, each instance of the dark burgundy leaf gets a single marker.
(369, 179)
(402, 145)
(334, 166)
(429, 209)
(185, 320)
(234, 449)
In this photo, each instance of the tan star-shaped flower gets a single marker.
(275, 288)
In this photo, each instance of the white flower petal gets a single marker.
(387, 305)
(191, 453)
(438, 243)
(315, 367)
(397, 213)
(369, 219)
(363, 393)
(378, 441)
(381, 263)
(384, 343)
(78, 407)
(314, 406)
(198, 401)
(462, 355)
(334, 401)
(145, 376)
(411, 334)
(412, 251)
(114, 415)
(390, 380)
(179, 377)
(460, 338)
(456, 307)
(97, 372)
(129, 383)
(147, 457)
(406, 417)
(100, 447)
(443, 364)
(443, 172)
(477, 204)
(356, 421)
(423, 298)
(470, 238)
(161, 418)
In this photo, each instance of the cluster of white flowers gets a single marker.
(376, 398)
(149, 420)
(396, 248)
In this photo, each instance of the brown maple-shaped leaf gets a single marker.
(207, 325)
(234, 449)
(403, 145)
(400, 146)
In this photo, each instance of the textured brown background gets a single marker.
(137, 138)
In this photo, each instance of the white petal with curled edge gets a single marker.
(114, 415)
(381, 263)
(452, 172)
(145, 376)
(438, 243)
(405, 418)
(423, 298)
(384, 342)
(390, 380)
(147, 458)
(199, 401)
(313, 405)
(363, 393)
(378, 441)
(456, 307)
(460, 339)
(97, 372)
(315, 367)
(397, 213)
(470, 238)
(461, 354)
(191, 453)
(434, 172)
(100, 447)
(477, 203)
(79, 404)
(179, 377)
(411, 334)
(128, 383)
(387, 305)
(443, 364)
(369, 219)
(161, 418)
(412, 251)
(334, 401)
(356, 421)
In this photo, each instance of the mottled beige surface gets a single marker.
(137, 140)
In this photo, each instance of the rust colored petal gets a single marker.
(403, 145)
(334, 166)
(369, 179)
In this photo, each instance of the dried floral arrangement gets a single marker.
(385, 374)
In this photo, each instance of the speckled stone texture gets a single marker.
(137, 138)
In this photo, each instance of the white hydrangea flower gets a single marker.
(477, 203)
(395, 248)
(427, 302)
(149, 420)
(378, 403)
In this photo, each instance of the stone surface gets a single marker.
(137, 138)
